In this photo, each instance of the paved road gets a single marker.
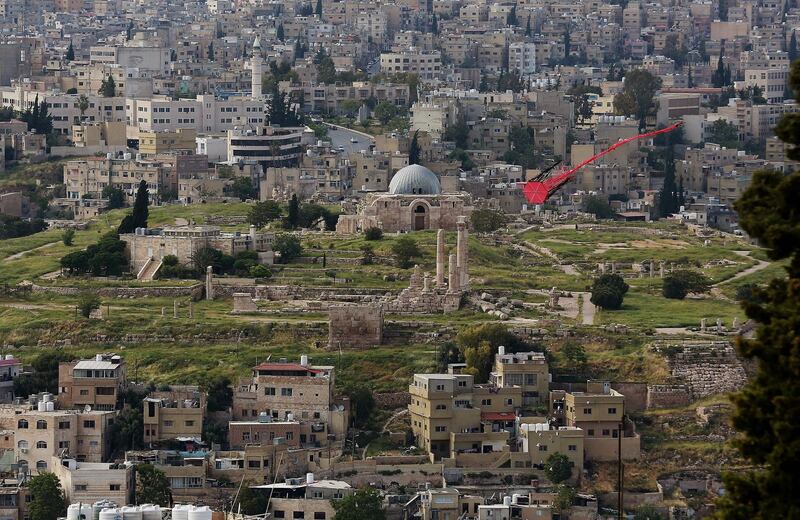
(343, 137)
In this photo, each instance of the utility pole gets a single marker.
(620, 470)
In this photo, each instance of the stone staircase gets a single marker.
(149, 270)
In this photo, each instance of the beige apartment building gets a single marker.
(540, 440)
(445, 404)
(330, 97)
(89, 482)
(293, 392)
(771, 81)
(91, 382)
(171, 414)
(154, 143)
(39, 435)
(264, 431)
(600, 413)
(427, 65)
(304, 497)
(527, 370)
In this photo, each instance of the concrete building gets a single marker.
(304, 497)
(91, 382)
(427, 65)
(771, 81)
(527, 370)
(10, 368)
(522, 57)
(271, 146)
(89, 482)
(264, 431)
(293, 392)
(173, 414)
(37, 435)
(153, 143)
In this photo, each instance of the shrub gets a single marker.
(288, 246)
(373, 233)
(68, 237)
(260, 271)
(680, 283)
(608, 291)
(488, 220)
(88, 302)
(404, 250)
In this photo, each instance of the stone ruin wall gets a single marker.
(707, 368)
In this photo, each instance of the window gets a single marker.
(189, 423)
(22, 424)
(63, 445)
(41, 445)
(572, 447)
(509, 402)
(606, 433)
(80, 487)
(169, 423)
(542, 447)
(253, 464)
(41, 465)
(88, 424)
(23, 445)
(63, 425)
(486, 402)
(269, 390)
(590, 433)
(587, 411)
(319, 515)
(84, 392)
(114, 487)
(279, 514)
(104, 390)
(286, 392)
(41, 424)
(612, 411)
(298, 514)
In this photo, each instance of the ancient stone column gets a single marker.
(426, 283)
(735, 323)
(163, 311)
(191, 309)
(440, 258)
(652, 269)
(462, 252)
(601, 268)
(719, 324)
(703, 324)
(613, 268)
(661, 270)
(452, 275)
(209, 286)
(253, 237)
(174, 308)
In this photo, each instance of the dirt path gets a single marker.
(17, 256)
(588, 309)
(750, 270)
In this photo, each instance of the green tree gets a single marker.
(558, 468)
(599, 207)
(648, 512)
(765, 410)
(373, 233)
(414, 150)
(70, 56)
(138, 217)
(288, 246)
(252, 501)
(47, 497)
(318, 9)
(478, 345)
(260, 271)
(127, 430)
(575, 355)
(404, 251)
(488, 220)
(38, 117)
(528, 27)
(152, 486)
(326, 70)
(115, 196)
(68, 237)
(565, 498)
(385, 111)
(293, 217)
(279, 33)
(458, 133)
(680, 283)
(362, 404)
(724, 134)
(792, 50)
(210, 51)
(243, 188)
(636, 98)
(83, 105)
(364, 504)
(220, 394)
(608, 291)
(262, 213)
(44, 374)
(88, 302)
(108, 88)
(511, 18)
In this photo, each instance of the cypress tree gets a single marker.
(70, 53)
(318, 10)
(528, 27)
(211, 51)
(294, 212)
(279, 33)
(414, 150)
(793, 48)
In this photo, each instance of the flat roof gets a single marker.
(96, 365)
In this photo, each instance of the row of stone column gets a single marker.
(603, 268)
(457, 263)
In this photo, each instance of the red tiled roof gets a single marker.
(9, 362)
(498, 416)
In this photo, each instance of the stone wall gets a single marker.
(392, 400)
(635, 395)
(706, 368)
(668, 396)
(193, 291)
(355, 326)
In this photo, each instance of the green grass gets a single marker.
(642, 310)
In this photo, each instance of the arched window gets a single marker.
(23, 445)
(42, 445)
(41, 424)
(22, 424)
(41, 465)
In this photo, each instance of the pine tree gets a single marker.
(689, 79)
(138, 217)
(434, 24)
(70, 56)
(293, 216)
(318, 10)
(528, 31)
(414, 150)
(723, 10)
(211, 51)
(511, 19)
(484, 85)
(718, 78)
(279, 33)
(793, 48)
(108, 88)
(610, 76)
(129, 31)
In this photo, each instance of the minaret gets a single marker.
(257, 69)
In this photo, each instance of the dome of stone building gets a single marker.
(415, 179)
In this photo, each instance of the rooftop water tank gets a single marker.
(131, 513)
(150, 512)
(180, 512)
(110, 514)
(79, 512)
(41, 406)
(199, 513)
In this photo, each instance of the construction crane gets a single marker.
(543, 186)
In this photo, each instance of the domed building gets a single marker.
(414, 202)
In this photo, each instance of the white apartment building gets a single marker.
(206, 114)
(522, 57)
(427, 65)
(772, 82)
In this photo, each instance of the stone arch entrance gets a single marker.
(420, 216)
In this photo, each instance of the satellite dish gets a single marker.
(87, 408)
